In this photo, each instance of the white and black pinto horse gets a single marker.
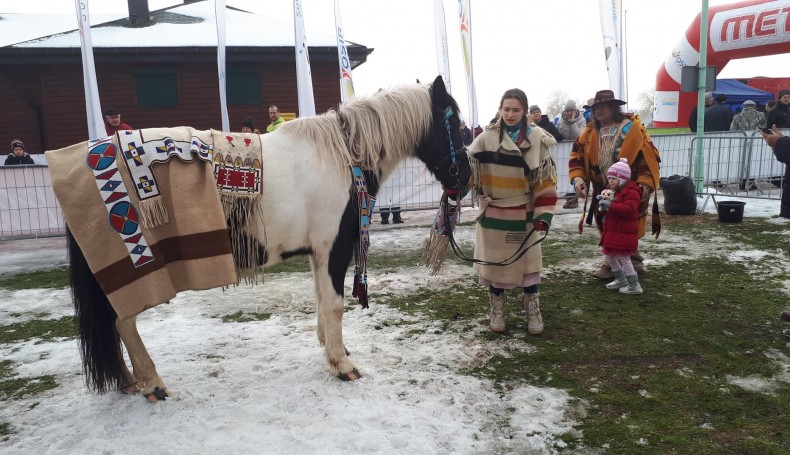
(309, 204)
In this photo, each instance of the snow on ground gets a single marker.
(265, 387)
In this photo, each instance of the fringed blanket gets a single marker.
(144, 208)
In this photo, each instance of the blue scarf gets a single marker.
(515, 130)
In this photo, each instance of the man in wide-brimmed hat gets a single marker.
(608, 138)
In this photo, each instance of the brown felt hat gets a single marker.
(606, 96)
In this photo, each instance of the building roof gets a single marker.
(187, 28)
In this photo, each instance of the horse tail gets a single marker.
(100, 345)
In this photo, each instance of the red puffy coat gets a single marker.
(619, 236)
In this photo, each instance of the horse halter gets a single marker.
(453, 167)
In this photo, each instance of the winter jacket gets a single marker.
(779, 116)
(748, 120)
(782, 152)
(546, 124)
(275, 124)
(718, 117)
(466, 136)
(516, 186)
(571, 129)
(110, 130)
(13, 160)
(620, 231)
(634, 145)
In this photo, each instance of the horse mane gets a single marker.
(385, 126)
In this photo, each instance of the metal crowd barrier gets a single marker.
(736, 163)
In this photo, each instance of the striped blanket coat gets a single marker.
(516, 185)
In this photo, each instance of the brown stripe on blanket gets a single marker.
(181, 248)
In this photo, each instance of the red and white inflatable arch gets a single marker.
(745, 29)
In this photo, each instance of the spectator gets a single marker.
(749, 119)
(780, 114)
(718, 117)
(18, 154)
(588, 110)
(112, 121)
(571, 122)
(516, 187)
(543, 121)
(385, 215)
(693, 114)
(770, 104)
(609, 138)
(275, 117)
(781, 146)
(248, 126)
(466, 133)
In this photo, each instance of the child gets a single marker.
(619, 237)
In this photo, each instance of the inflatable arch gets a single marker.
(751, 28)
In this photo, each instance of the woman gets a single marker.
(515, 179)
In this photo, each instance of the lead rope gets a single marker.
(365, 203)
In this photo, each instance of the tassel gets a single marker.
(241, 210)
(656, 218)
(360, 289)
(153, 212)
(435, 251)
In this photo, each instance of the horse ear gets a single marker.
(439, 90)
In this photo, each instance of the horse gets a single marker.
(309, 206)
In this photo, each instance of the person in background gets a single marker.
(248, 126)
(275, 117)
(588, 110)
(112, 121)
(781, 147)
(718, 117)
(515, 180)
(618, 236)
(18, 155)
(749, 119)
(693, 114)
(770, 104)
(537, 117)
(780, 114)
(466, 133)
(610, 137)
(571, 122)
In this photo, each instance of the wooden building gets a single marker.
(159, 68)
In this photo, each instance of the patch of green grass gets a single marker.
(240, 316)
(51, 279)
(5, 430)
(45, 329)
(18, 388)
(294, 264)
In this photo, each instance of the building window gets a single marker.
(243, 86)
(156, 87)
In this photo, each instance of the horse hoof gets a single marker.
(352, 375)
(132, 388)
(347, 352)
(157, 395)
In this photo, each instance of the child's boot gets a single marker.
(619, 280)
(633, 285)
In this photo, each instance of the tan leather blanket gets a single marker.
(144, 208)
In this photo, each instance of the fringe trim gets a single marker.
(547, 169)
(153, 212)
(435, 251)
(243, 210)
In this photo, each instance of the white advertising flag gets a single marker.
(611, 27)
(304, 78)
(219, 14)
(346, 82)
(442, 55)
(465, 14)
(92, 104)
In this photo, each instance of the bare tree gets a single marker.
(556, 103)
(647, 102)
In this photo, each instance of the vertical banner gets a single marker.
(219, 15)
(611, 27)
(442, 55)
(304, 78)
(93, 111)
(346, 82)
(465, 14)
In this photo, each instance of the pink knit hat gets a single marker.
(620, 170)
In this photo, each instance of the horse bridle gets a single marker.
(453, 167)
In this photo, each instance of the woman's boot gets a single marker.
(532, 310)
(497, 312)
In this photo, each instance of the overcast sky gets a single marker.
(537, 46)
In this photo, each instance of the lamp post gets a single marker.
(699, 158)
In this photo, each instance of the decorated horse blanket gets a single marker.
(146, 209)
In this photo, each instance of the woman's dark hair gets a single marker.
(521, 97)
(618, 115)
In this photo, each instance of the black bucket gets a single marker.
(730, 211)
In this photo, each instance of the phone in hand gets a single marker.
(767, 130)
